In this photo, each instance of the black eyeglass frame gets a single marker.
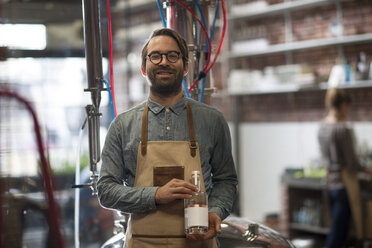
(166, 55)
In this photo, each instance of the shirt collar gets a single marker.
(177, 108)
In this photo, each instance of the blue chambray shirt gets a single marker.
(119, 155)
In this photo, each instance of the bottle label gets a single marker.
(196, 216)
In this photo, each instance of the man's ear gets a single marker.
(186, 69)
(143, 70)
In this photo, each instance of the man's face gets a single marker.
(165, 78)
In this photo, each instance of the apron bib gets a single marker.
(164, 226)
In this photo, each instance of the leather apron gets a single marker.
(353, 192)
(164, 226)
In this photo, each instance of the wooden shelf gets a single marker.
(302, 45)
(294, 88)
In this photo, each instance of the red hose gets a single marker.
(208, 67)
(111, 57)
(222, 36)
(204, 30)
(172, 14)
(54, 221)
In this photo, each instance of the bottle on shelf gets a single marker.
(196, 209)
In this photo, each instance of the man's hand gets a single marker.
(174, 189)
(214, 222)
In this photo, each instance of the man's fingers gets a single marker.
(218, 226)
(182, 190)
(174, 189)
(177, 183)
(210, 234)
(193, 237)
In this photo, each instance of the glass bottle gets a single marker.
(196, 209)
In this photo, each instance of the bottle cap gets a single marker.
(195, 173)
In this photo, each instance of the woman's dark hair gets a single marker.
(173, 34)
(336, 97)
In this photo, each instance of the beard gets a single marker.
(168, 86)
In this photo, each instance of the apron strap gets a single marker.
(190, 123)
(144, 130)
(326, 209)
(191, 130)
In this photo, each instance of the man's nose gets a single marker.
(164, 59)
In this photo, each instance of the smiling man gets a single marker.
(171, 133)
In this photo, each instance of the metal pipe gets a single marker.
(191, 46)
(93, 49)
(94, 144)
(93, 53)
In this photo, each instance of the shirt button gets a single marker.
(168, 128)
(167, 110)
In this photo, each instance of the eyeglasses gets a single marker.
(157, 57)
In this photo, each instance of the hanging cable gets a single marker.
(112, 93)
(222, 35)
(201, 13)
(204, 72)
(185, 88)
(77, 190)
(172, 14)
(211, 38)
(214, 20)
(47, 176)
(161, 13)
(111, 98)
(207, 48)
(201, 24)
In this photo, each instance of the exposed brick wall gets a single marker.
(307, 24)
(357, 17)
(321, 60)
(269, 27)
(313, 23)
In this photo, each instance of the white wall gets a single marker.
(266, 149)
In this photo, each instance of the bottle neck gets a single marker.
(196, 180)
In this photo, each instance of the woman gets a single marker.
(338, 151)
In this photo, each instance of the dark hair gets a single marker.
(171, 33)
(336, 97)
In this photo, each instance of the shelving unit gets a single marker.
(296, 88)
(299, 219)
(309, 228)
(243, 51)
(295, 193)
(306, 44)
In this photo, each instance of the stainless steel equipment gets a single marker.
(236, 232)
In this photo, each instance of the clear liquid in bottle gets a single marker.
(196, 209)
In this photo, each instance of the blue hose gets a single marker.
(185, 88)
(214, 20)
(161, 13)
(111, 102)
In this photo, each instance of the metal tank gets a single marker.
(236, 232)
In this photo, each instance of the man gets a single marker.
(169, 132)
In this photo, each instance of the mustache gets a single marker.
(164, 68)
